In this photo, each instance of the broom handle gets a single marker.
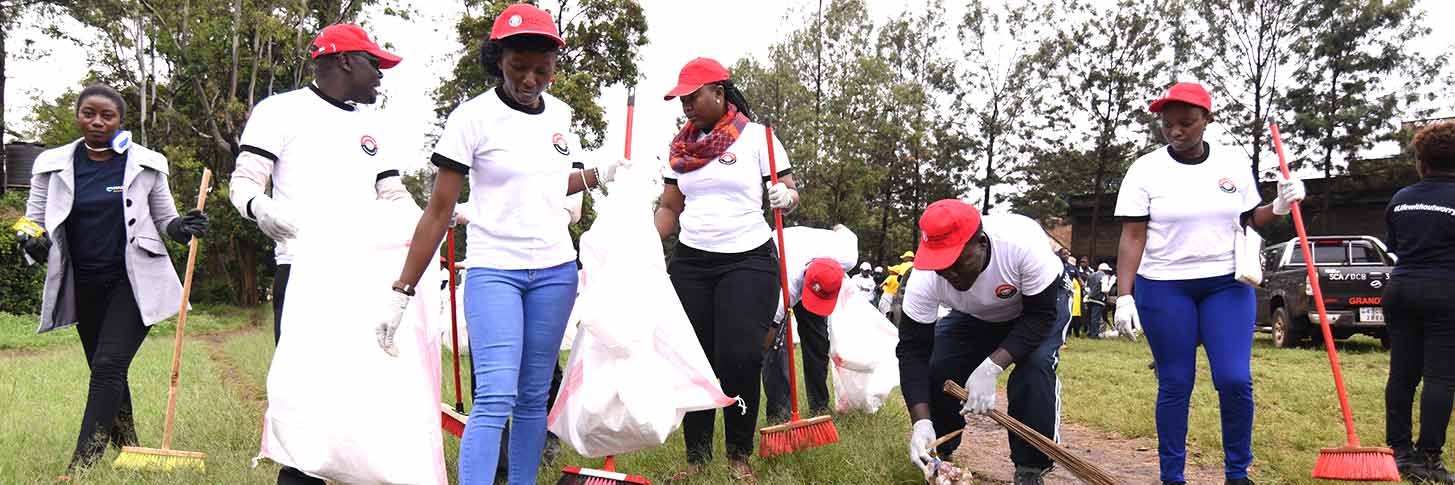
(454, 322)
(1313, 281)
(631, 107)
(783, 280)
(169, 418)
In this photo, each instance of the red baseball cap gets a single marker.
(821, 283)
(1190, 93)
(338, 38)
(944, 229)
(695, 74)
(524, 18)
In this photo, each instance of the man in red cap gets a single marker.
(1008, 302)
(320, 151)
(817, 260)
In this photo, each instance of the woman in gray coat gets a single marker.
(104, 204)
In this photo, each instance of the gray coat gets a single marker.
(148, 210)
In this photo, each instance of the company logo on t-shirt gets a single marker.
(369, 146)
(728, 158)
(559, 141)
(1005, 291)
(1227, 186)
(115, 189)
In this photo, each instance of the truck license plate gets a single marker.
(1371, 314)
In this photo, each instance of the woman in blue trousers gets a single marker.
(1181, 208)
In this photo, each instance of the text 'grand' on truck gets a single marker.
(1352, 272)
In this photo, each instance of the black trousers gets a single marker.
(962, 342)
(814, 332)
(729, 299)
(1420, 319)
(111, 332)
(280, 287)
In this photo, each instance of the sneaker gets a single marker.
(1030, 475)
(1169, 482)
(1238, 481)
(552, 450)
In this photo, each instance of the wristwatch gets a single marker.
(406, 289)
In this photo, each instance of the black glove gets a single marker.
(39, 248)
(193, 223)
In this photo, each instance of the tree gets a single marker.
(1243, 64)
(602, 41)
(191, 71)
(1110, 63)
(1357, 79)
(1003, 90)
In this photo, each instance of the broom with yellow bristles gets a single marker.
(165, 458)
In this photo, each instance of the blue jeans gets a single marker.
(1217, 313)
(516, 320)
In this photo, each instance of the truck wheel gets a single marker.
(1285, 333)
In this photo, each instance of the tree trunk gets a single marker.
(989, 171)
(4, 27)
(141, 64)
(1099, 181)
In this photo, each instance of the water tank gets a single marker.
(19, 157)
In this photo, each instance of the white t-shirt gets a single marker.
(724, 199)
(1021, 262)
(1192, 211)
(326, 154)
(518, 163)
(805, 244)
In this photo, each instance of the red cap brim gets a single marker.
(820, 306)
(386, 59)
(681, 90)
(936, 259)
(561, 43)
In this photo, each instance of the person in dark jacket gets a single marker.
(1419, 312)
(105, 204)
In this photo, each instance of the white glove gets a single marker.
(981, 388)
(919, 445)
(780, 196)
(1289, 191)
(385, 330)
(272, 219)
(608, 171)
(1127, 321)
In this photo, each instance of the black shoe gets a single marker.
(1410, 464)
(1029, 475)
(553, 450)
(1433, 469)
(1238, 481)
(1169, 482)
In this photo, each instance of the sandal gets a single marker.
(742, 472)
(685, 474)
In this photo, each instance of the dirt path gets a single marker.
(237, 382)
(985, 451)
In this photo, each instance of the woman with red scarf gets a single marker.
(724, 267)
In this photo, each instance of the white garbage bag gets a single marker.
(447, 337)
(339, 408)
(861, 346)
(636, 367)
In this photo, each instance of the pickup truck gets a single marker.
(1352, 272)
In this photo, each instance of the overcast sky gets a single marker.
(430, 48)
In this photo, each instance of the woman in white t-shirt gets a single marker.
(1181, 207)
(724, 266)
(515, 143)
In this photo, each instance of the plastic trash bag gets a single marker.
(339, 408)
(861, 346)
(636, 367)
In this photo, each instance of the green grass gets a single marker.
(43, 396)
(1106, 385)
(17, 332)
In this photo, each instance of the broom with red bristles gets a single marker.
(1351, 461)
(607, 474)
(453, 419)
(797, 434)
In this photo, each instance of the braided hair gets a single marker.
(734, 96)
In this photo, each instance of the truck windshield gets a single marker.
(1325, 253)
